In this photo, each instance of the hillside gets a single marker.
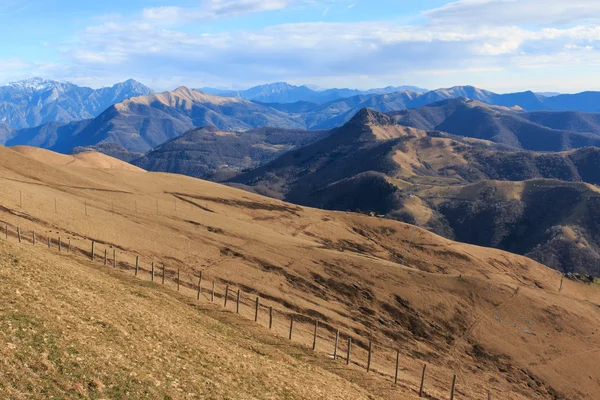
(36, 101)
(501, 322)
(52, 346)
(88, 159)
(373, 164)
(211, 152)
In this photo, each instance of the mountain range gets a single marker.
(543, 205)
(282, 92)
(141, 123)
(202, 150)
(538, 130)
(36, 101)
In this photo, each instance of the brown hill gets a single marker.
(496, 319)
(372, 164)
(88, 159)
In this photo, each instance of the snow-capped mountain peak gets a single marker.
(35, 84)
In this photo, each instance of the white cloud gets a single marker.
(515, 12)
(212, 9)
(509, 35)
(318, 52)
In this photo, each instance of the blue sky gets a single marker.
(500, 45)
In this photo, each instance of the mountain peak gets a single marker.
(368, 116)
(183, 90)
(34, 83)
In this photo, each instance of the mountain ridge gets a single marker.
(33, 102)
(283, 92)
(143, 122)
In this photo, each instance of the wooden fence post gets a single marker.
(105, 257)
(33, 238)
(349, 351)
(226, 296)
(21, 198)
(453, 387)
(114, 258)
(59, 244)
(93, 247)
(152, 278)
(397, 367)
(19, 234)
(212, 295)
(291, 325)
(237, 302)
(178, 279)
(422, 380)
(163, 274)
(270, 317)
(489, 395)
(337, 339)
(137, 264)
(200, 285)
(256, 311)
(315, 336)
(369, 356)
(69, 245)
(49, 243)
(55, 207)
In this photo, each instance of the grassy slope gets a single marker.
(68, 330)
(494, 318)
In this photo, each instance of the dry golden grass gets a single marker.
(495, 319)
(71, 331)
(89, 159)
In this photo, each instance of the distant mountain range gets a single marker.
(335, 113)
(141, 123)
(36, 101)
(282, 92)
(472, 190)
(538, 130)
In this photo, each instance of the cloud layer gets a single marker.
(453, 43)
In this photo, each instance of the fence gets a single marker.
(348, 349)
(321, 337)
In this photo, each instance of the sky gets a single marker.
(499, 45)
